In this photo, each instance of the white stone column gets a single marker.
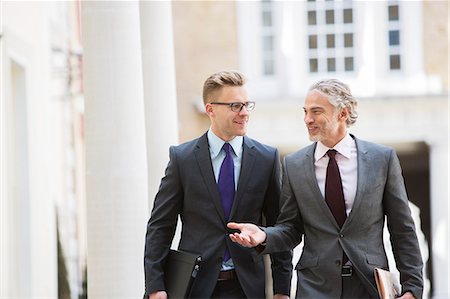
(159, 88)
(116, 165)
(440, 216)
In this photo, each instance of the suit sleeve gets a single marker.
(281, 261)
(289, 229)
(161, 226)
(402, 230)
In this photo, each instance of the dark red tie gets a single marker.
(334, 195)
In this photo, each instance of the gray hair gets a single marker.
(339, 95)
(216, 81)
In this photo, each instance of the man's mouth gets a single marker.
(241, 122)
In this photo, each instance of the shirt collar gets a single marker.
(343, 147)
(216, 144)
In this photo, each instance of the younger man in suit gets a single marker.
(336, 194)
(221, 176)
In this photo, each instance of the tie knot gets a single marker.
(227, 148)
(331, 153)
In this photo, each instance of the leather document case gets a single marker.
(179, 273)
(388, 287)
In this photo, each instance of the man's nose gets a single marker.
(243, 110)
(307, 118)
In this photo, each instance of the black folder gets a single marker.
(179, 273)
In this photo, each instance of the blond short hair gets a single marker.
(216, 81)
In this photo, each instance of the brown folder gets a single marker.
(179, 273)
(388, 287)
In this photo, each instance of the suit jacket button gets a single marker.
(341, 236)
(338, 262)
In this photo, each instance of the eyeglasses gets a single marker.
(237, 107)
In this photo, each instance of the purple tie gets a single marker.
(226, 186)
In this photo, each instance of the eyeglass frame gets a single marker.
(246, 104)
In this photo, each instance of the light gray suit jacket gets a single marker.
(189, 190)
(380, 192)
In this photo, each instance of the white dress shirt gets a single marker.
(346, 159)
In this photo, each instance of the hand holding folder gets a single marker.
(388, 287)
(179, 273)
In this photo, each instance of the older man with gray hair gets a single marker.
(336, 195)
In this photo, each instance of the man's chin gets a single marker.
(314, 138)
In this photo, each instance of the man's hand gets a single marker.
(158, 295)
(250, 235)
(407, 295)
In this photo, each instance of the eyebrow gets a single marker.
(314, 108)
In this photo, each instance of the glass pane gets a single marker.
(312, 41)
(312, 18)
(348, 40)
(269, 68)
(348, 15)
(348, 62)
(330, 41)
(394, 62)
(313, 65)
(394, 37)
(268, 43)
(393, 13)
(331, 64)
(329, 16)
(267, 18)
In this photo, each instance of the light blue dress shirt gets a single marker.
(217, 157)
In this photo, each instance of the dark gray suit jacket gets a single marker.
(380, 192)
(189, 189)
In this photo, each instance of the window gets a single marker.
(330, 41)
(330, 36)
(393, 36)
(268, 38)
(348, 40)
(313, 65)
(329, 16)
(348, 64)
(312, 42)
(331, 64)
(348, 15)
(312, 19)
(267, 18)
(394, 62)
(393, 13)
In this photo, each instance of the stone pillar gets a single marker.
(439, 216)
(159, 88)
(116, 165)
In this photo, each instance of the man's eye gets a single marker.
(236, 105)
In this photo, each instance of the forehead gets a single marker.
(315, 98)
(232, 94)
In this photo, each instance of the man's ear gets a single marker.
(343, 114)
(209, 109)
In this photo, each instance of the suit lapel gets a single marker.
(362, 180)
(310, 177)
(203, 157)
(248, 160)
